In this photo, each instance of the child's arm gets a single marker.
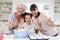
(37, 26)
(37, 23)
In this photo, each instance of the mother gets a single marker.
(47, 25)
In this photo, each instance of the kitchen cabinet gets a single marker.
(5, 10)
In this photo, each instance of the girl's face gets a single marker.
(28, 19)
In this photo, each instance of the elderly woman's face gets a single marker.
(20, 10)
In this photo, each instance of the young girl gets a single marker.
(30, 26)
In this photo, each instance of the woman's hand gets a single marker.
(12, 25)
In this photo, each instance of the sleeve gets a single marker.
(44, 16)
(47, 18)
(10, 18)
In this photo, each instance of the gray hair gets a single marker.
(24, 7)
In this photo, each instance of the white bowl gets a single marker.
(20, 34)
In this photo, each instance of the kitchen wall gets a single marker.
(5, 0)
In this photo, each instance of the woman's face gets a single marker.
(20, 10)
(34, 12)
(28, 19)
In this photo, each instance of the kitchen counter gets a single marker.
(10, 37)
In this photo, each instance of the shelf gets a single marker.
(5, 7)
(5, 10)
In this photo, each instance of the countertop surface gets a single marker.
(10, 37)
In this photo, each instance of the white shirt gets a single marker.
(30, 28)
